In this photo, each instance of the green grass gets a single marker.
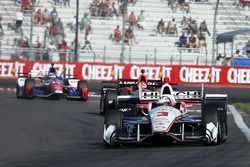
(243, 106)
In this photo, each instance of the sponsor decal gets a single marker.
(221, 75)
(238, 76)
(200, 75)
(125, 109)
(162, 114)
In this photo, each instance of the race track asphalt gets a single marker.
(47, 133)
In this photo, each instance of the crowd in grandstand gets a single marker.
(190, 32)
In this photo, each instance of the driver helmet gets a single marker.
(143, 85)
(52, 75)
(164, 101)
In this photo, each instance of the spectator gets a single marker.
(123, 8)
(39, 53)
(160, 27)
(53, 30)
(129, 35)
(66, 2)
(202, 40)
(102, 9)
(227, 60)
(117, 34)
(38, 17)
(73, 24)
(87, 44)
(172, 5)
(107, 8)
(59, 24)
(237, 53)
(184, 23)
(182, 40)
(184, 6)
(59, 40)
(26, 5)
(242, 3)
(72, 51)
(55, 2)
(193, 27)
(133, 2)
(85, 23)
(25, 45)
(46, 16)
(63, 51)
(53, 15)
(1, 28)
(192, 41)
(52, 51)
(203, 27)
(19, 19)
(113, 11)
(94, 8)
(132, 19)
(171, 28)
(247, 49)
(60, 2)
(140, 20)
(219, 60)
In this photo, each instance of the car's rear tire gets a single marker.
(83, 85)
(18, 91)
(104, 97)
(112, 117)
(215, 112)
(28, 85)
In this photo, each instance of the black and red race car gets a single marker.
(147, 90)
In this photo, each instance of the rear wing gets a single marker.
(134, 82)
(216, 98)
(192, 96)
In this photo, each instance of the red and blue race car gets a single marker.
(38, 84)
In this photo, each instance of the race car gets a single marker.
(38, 84)
(168, 119)
(41, 84)
(74, 88)
(130, 87)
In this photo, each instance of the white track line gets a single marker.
(239, 122)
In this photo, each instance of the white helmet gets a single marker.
(167, 99)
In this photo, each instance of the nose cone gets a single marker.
(57, 86)
(163, 118)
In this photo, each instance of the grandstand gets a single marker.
(151, 47)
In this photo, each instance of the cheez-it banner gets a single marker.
(180, 74)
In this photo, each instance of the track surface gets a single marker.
(65, 133)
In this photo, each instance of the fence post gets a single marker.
(180, 60)
(104, 54)
(206, 55)
(146, 57)
(155, 56)
(130, 49)
(197, 60)
(0, 49)
(94, 57)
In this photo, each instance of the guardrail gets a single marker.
(147, 56)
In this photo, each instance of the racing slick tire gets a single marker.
(18, 95)
(216, 113)
(112, 117)
(104, 97)
(83, 85)
(28, 85)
